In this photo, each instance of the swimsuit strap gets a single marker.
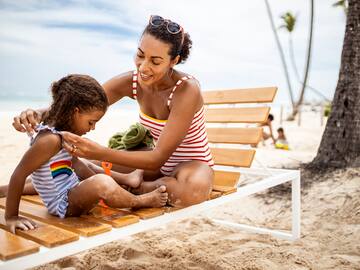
(176, 85)
(134, 84)
(41, 127)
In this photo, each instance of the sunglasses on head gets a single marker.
(172, 27)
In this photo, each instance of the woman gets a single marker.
(171, 107)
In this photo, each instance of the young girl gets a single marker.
(66, 185)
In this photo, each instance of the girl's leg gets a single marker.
(190, 183)
(87, 194)
(28, 188)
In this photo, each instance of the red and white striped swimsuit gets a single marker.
(195, 145)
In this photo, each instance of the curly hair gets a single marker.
(70, 92)
(177, 47)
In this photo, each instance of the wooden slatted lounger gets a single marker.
(56, 238)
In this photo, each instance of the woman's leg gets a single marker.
(190, 183)
(87, 194)
(28, 189)
(96, 167)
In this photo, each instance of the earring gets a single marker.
(172, 71)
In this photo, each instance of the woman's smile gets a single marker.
(145, 77)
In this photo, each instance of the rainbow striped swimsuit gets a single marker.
(55, 178)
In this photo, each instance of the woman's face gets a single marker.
(152, 60)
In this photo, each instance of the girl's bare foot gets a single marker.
(156, 198)
(3, 191)
(135, 178)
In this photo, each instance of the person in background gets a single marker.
(281, 141)
(268, 133)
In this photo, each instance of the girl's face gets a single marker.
(152, 60)
(83, 122)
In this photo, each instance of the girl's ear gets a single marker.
(76, 113)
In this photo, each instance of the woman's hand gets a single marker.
(21, 223)
(81, 147)
(27, 120)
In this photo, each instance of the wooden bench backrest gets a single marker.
(245, 106)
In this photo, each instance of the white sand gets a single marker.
(330, 216)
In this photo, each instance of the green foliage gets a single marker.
(289, 21)
(343, 4)
(327, 109)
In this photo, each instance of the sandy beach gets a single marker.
(330, 215)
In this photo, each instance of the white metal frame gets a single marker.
(277, 177)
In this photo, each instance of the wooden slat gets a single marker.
(33, 199)
(233, 157)
(115, 217)
(145, 213)
(231, 96)
(215, 194)
(235, 135)
(237, 115)
(13, 246)
(169, 209)
(44, 234)
(225, 178)
(224, 189)
(80, 225)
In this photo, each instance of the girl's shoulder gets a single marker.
(47, 136)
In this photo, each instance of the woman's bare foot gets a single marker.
(155, 198)
(135, 178)
(146, 187)
(3, 191)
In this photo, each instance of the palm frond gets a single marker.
(289, 21)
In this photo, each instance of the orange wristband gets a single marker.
(107, 167)
(107, 170)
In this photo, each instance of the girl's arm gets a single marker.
(186, 101)
(81, 169)
(45, 147)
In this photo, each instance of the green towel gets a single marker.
(136, 135)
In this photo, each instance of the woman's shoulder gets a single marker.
(187, 89)
(187, 81)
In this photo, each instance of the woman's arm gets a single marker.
(45, 146)
(186, 101)
(118, 87)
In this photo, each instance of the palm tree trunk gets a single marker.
(340, 143)
(281, 52)
(293, 63)
(307, 66)
(292, 58)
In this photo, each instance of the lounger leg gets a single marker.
(295, 207)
